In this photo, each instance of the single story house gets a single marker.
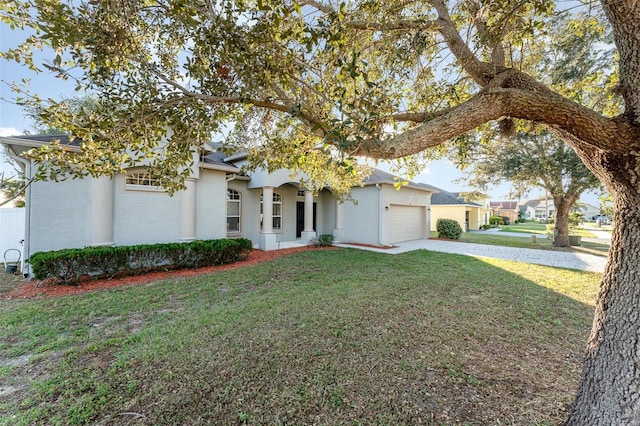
(508, 209)
(218, 202)
(447, 205)
(527, 212)
(589, 210)
(543, 209)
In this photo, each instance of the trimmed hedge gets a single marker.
(448, 228)
(69, 265)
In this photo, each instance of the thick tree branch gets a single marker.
(625, 19)
(481, 72)
(494, 103)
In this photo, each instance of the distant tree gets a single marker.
(535, 160)
(13, 189)
(606, 204)
(41, 117)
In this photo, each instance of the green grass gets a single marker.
(528, 227)
(324, 337)
(540, 228)
(494, 238)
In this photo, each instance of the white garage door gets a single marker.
(407, 223)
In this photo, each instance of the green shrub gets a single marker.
(448, 228)
(324, 240)
(485, 227)
(575, 219)
(70, 265)
(496, 220)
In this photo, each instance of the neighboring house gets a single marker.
(589, 210)
(507, 209)
(447, 205)
(543, 209)
(218, 202)
(527, 212)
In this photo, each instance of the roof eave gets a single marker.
(219, 167)
(410, 186)
(17, 141)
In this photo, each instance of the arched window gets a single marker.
(234, 210)
(277, 211)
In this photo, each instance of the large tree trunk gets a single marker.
(609, 391)
(561, 230)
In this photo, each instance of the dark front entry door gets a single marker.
(300, 218)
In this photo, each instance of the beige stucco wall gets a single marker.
(475, 218)
(455, 212)
(458, 213)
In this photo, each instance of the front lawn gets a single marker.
(527, 227)
(322, 337)
(496, 239)
(540, 228)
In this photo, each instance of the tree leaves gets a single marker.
(343, 77)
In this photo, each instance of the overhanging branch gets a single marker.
(542, 106)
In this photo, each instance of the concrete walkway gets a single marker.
(559, 259)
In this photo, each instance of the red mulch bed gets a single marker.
(30, 290)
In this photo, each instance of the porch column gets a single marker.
(188, 211)
(308, 232)
(267, 237)
(338, 232)
(102, 211)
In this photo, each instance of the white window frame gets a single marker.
(142, 180)
(277, 205)
(238, 200)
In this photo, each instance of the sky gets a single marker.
(441, 174)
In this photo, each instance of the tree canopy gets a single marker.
(535, 160)
(312, 84)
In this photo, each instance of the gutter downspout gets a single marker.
(380, 212)
(27, 219)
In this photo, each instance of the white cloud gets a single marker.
(9, 131)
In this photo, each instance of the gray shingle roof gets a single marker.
(380, 176)
(216, 158)
(444, 198)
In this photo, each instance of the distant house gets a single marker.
(218, 202)
(527, 212)
(590, 211)
(508, 209)
(448, 205)
(543, 208)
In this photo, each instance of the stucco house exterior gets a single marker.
(508, 209)
(470, 215)
(589, 211)
(543, 209)
(218, 202)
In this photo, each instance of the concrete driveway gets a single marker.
(580, 261)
